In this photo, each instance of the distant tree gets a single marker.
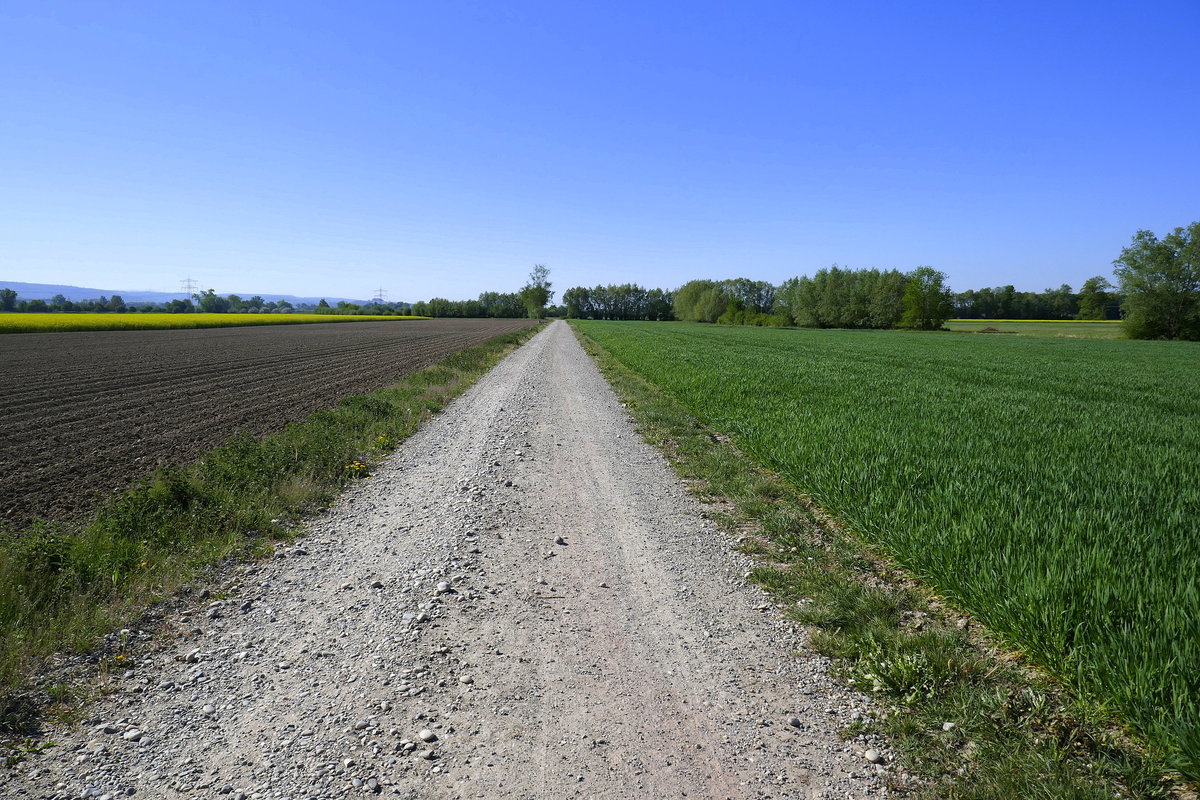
(536, 293)
(1061, 303)
(1094, 298)
(211, 303)
(178, 306)
(926, 300)
(755, 296)
(323, 304)
(842, 298)
(658, 305)
(578, 300)
(116, 303)
(1006, 297)
(700, 301)
(8, 300)
(886, 304)
(438, 307)
(1160, 279)
(37, 305)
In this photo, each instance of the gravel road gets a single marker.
(523, 602)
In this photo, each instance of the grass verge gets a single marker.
(61, 586)
(1012, 732)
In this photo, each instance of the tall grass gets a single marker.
(60, 322)
(1050, 487)
(62, 586)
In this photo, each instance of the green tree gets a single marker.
(211, 303)
(578, 301)
(701, 301)
(536, 294)
(8, 300)
(1160, 279)
(1061, 303)
(926, 300)
(1094, 298)
(658, 304)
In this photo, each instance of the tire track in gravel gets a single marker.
(630, 660)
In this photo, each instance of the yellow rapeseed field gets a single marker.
(57, 322)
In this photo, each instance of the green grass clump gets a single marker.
(1049, 487)
(60, 587)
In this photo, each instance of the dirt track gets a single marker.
(627, 660)
(86, 413)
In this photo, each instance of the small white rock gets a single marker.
(873, 755)
(427, 735)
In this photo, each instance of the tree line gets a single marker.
(530, 301)
(833, 298)
(207, 302)
(626, 301)
(1157, 296)
(1096, 299)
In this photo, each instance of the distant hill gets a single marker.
(45, 291)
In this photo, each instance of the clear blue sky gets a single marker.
(443, 148)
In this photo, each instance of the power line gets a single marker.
(190, 286)
(380, 295)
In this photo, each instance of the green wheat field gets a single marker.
(1051, 487)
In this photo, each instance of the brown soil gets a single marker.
(87, 413)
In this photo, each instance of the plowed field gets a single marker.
(84, 414)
